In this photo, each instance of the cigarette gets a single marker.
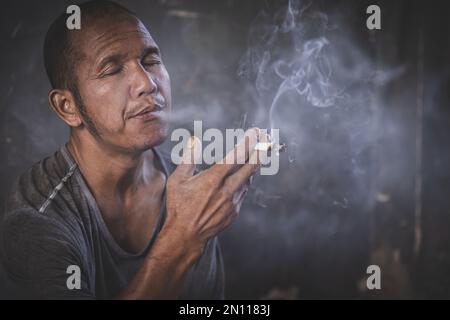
(266, 146)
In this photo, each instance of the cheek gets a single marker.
(106, 103)
(165, 89)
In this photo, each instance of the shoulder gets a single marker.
(36, 185)
(39, 215)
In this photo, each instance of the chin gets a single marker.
(155, 140)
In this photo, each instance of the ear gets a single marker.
(63, 103)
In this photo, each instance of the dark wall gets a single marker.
(347, 192)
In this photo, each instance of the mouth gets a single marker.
(148, 113)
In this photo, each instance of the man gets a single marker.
(107, 203)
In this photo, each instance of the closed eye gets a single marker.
(110, 71)
(151, 61)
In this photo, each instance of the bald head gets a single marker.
(63, 48)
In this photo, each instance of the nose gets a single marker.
(142, 82)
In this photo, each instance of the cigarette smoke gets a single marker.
(299, 58)
(312, 79)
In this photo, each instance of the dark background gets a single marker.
(365, 181)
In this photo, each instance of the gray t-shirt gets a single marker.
(52, 221)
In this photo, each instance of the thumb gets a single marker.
(191, 156)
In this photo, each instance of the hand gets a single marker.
(202, 205)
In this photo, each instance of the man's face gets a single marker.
(123, 84)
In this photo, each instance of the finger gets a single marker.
(243, 175)
(260, 155)
(191, 156)
(240, 154)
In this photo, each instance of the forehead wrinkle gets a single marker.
(109, 43)
(103, 38)
(113, 46)
(118, 33)
(107, 38)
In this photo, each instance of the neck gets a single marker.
(108, 172)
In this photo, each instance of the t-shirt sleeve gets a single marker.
(41, 260)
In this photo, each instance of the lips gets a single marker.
(147, 113)
(142, 112)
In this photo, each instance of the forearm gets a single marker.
(164, 270)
